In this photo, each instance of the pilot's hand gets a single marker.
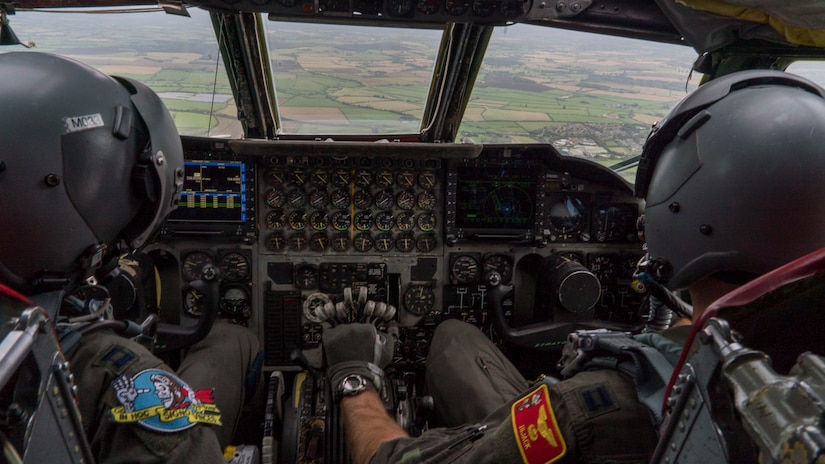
(357, 348)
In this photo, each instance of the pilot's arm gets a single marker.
(367, 425)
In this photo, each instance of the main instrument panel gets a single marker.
(292, 226)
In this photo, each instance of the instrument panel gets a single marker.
(416, 228)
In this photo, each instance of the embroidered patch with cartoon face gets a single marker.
(160, 401)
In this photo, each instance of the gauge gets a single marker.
(405, 242)
(363, 220)
(572, 256)
(318, 242)
(362, 199)
(298, 176)
(275, 219)
(275, 198)
(427, 180)
(465, 269)
(605, 266)
(384, 199)
(405, 200)
(297, 220)
(341, 220)
(341, 177)
(297, 242)
(275, 177)
(426, 221)
(319, 199)
(320, 177)
(296, 198)
(512, 9)
(340, 199)
(363, 178)
(419, 299)
(616, 222)
(234, 266)
(428, 7)
(384, 242)
(193, 302)
(425, 243)
(568, 217)
(400, 8)
(500, 263)
(426, 200)
(405, 221)
(384, 221)
(275, 241)
(306, 276)
(406, 179)
(340, 242)
(313, 307)
(234, 301)
(456, 7)
(384, 178)
(319, 220)
(194, 263)
(484, 8)
(362, 242)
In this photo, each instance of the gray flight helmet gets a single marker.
(733, 178)
(87, 160)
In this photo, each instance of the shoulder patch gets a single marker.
(536, 431)
(596, 400)
(160, 401)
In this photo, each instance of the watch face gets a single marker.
(353, 383)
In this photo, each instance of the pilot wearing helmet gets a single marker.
(723, 175)
(90, 166)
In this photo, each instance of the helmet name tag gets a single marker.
(78, 123)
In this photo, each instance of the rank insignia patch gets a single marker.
(535, 428)
(160, 401)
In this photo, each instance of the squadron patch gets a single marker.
(535, 428)
(160, 401)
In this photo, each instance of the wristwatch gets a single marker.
(352, 385)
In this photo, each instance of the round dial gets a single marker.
(275, 219)
(274, 177)
(318, 242)
(384, 178)
(275, 198)
(384, 199)
(427, 180)
(362, 199)
(306, 276)
(234, 301)
(340, 220)
(406, 179)
(340, 242)
(425, 243)
(235, 266)
(384, 242)
(616, 222)
(298, 176)
(405, 242)
(405, 200)
(319, 199)
(297, 242)
(426, 200)
(319, 177)
(194, 263)
(340, 199)
(193, 302)
(363, 178)
(405, 221)
(419, 299)
(426, 221)
(313, 305)
(297, 198)
(465, 269)
(297, 220)
(500, 263)
(341, 177)
(384, 221)
(319, 220)
(568, 216)
(275, 241)
(363, 220)
(363, 242)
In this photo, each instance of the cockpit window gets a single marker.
(589, 95)
(177, 56)
(332, 79)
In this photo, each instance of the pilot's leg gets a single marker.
(467, 375)
(221, 361)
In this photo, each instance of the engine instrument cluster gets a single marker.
(290, 226)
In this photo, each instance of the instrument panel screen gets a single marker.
(213, 191)
(495, 197)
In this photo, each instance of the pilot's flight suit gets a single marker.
(592, 417)
(104, 363)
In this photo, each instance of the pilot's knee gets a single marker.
(451, 330)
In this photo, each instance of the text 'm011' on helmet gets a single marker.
(733, 177)
(86, 160)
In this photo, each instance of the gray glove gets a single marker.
(357, 349)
